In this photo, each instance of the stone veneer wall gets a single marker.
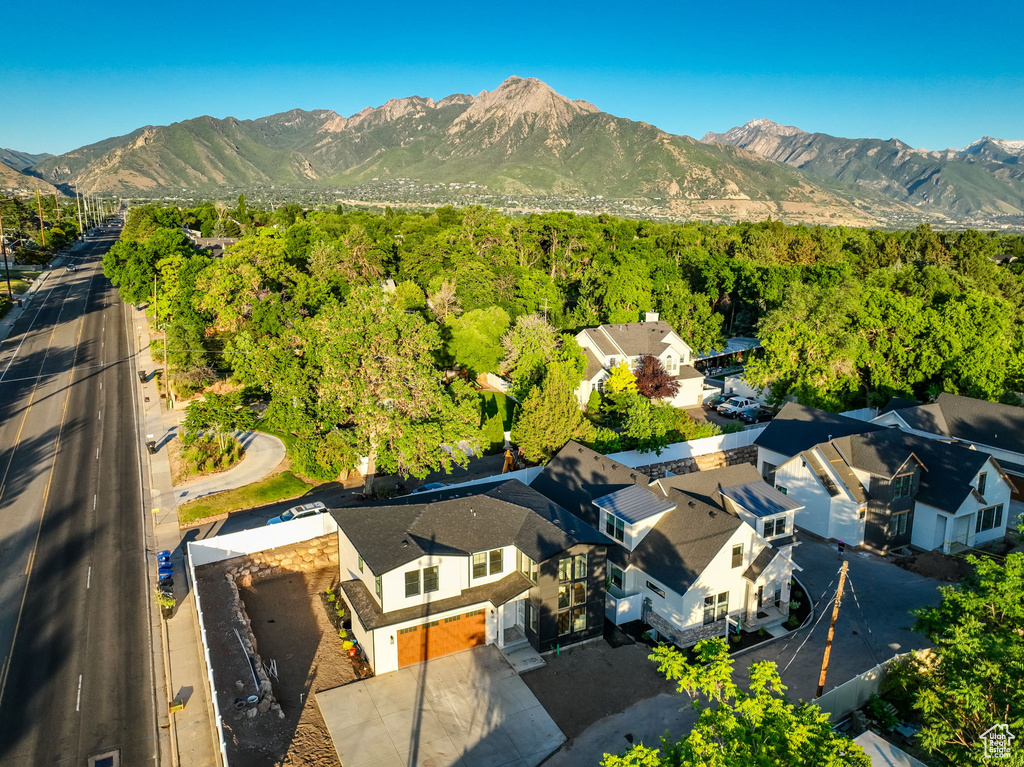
(313, 554)
(702, 462)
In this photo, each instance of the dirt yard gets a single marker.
(291, 628)
(594, 680)
(935, 564)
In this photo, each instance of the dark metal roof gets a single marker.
(706, 486)
(372, 617)
(460, 521)
(797, 428)
(761, 561)
(760, 498)
(577, 475)
(633, 503)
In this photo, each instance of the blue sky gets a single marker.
(931, 74)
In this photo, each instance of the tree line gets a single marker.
(345, 319)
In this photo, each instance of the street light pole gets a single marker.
(7, 268)
(78, 207)
(39, 206)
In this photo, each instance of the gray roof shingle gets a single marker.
(460, 521)
(761, 561)
(797, 428)
(986, 423)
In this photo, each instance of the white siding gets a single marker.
(829, 516)
(769, 456)
(997, 491)
(451, 576)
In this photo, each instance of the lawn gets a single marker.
(21, 284)
(268, 490)
(495, 419)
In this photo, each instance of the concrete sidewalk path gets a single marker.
(263, 454)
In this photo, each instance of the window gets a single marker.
(572, 594)
(982, 482)
(778, 596)
(528, 567)
(487, 562)
(737, 555)
(431, 581)
(716, 608)
(615, 576)
(660, 592)
(614, 527)
(782, 489)
(412, 583)
(532, 617)
(899, 523)
(377, 587)
(580, 560)
(768, 472)
(565, 570)
(989, 518)
(480, 564)
(773, 527)
(360, 564)
(902, 486)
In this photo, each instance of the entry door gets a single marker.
(940, 531)
(962, 528)
(521, 612)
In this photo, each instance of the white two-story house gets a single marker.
(695, 553)
(882, 488)
(608, 345)
(441, 572)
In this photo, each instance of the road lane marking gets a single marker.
(99, 415)
(78, 700)
(94, 497)
(88, 577)
(97, 454)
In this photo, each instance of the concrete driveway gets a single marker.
(874, 624)
(469, 709)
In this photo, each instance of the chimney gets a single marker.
(651, 317)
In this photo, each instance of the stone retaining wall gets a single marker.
(295, 558)
(313, 554)
(702, 462)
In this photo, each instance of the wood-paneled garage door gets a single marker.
(441, 637)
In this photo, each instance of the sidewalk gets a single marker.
(191, 731)
(263, 453)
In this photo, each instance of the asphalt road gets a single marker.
(76, 671)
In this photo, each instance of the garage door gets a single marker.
(441, 637)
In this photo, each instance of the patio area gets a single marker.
(469, 709)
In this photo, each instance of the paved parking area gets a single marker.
(469, 709)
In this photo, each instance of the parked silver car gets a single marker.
(297, 512)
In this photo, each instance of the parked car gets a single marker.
(428, 487)
(757, 415)
(734, 407)
(297, 512)
(718, 399)
(71, 268)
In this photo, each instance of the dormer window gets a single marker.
(902, 486)
(773, 527)
(982, 481)
(614, 527)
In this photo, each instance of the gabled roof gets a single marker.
(760, 498)
(594, 365)
(633, 503)
(577, 475)
(948, 469)
(797, 428)
(847, 478)
(461, 521)
(928, 418)
(706, 486)
(985, 423)
(682, 544)
(632, 339)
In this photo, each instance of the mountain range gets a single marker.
(524, 139)
(984, 179)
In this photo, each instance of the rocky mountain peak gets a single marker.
(523, 97)
(751, 131)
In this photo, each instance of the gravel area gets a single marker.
(591, 681)
(291, 628)
(935, 564)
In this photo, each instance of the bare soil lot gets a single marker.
(594, 680)
(292, 628)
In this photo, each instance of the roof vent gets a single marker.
(711, 513)
(691, 504)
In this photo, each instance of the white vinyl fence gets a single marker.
(689, 449)
(222, 547)
(843, 700)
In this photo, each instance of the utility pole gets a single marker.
(832, 630)
(7, 268)
(78, 207)
(39, 206)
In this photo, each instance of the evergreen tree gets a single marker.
(549, 416)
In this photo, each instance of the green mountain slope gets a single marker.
(521, 139)
(21, 160)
